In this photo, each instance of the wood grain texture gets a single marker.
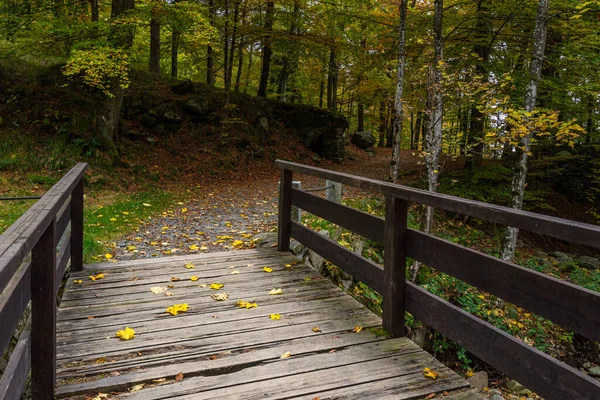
(14, 378)
(285, 211)
(227, 352)
(548, 377)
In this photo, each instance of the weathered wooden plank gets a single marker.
(359, 267)
(63, 218)
(12, 382)
(211, 344)
(77, 227)
(572, 231)
(364, 224)
(302, 376)
(104, 330)
(43, 314)
(538, 371)
(285, 211)
(357, 344)
(396, 222)
(13, 301)
(62, 260)
(566, 304)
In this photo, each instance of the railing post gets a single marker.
(77, 227)
(394, 269)
(285, 211)
(43, 315)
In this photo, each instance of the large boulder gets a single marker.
(364, 140)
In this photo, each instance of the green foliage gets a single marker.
(100, 68)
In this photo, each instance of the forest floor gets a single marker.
(226, 213)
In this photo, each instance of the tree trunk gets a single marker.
(154, 65)
(418, 128)
(520, 172)
(210, 57)
(267, 52)
(477, 125)
(238, 75)
(289, 59)
(226, 45)
(95, 10)
(382, 123)
(321, 93)
(398, 110)
(332, 81)
(175, 36)
(249, 69)
(589, 125)
(236, 13)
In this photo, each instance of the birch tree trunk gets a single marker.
(520, 172)
(435, 108)
(398, 111)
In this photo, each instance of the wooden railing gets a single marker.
(573, 307)
(34, 254)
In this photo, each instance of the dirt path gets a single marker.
(224, 215)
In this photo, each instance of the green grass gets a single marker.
(103, 224)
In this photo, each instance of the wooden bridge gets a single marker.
(311, 341)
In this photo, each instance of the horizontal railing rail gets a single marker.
(568, 305)
(35, 251)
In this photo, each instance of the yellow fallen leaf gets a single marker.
(100, 396)
(179, 377)
(428, 373)
(136, 388)
(267, 269)
(174, 279)
(220, 296)
(194, 247)
(189, 266)
(316, 329)
(276, 291)
(275, 316)
(216, 286)
(237, 243)
(158, 289)
(131, 248)
(288, 265)
(193, 278)
(287, 354)
(113, 219)
(177, 308)
(184, 210)
(108, 256)
(470, 373)
(78, 281)
(236, 272)
(170, 286)
(147, 205)
(245, 304)
(95, 277)
(126, 334)
(357, 329)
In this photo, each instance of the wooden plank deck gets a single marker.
(227, 352)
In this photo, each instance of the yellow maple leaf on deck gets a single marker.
(287, 354)
(316, 329)
(216, 286)
(194, 247)
(193, 278)
(126, 334)
(189, 266)
(245, 304)
(275, 316)
(429, 373)
(276, 291)
(267, 269)
(177, 308)
(357, 329)
(220, 296)
(158, 289)
(95, 277)
(78, 281)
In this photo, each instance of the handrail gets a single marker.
(32, 265)
(569, 305)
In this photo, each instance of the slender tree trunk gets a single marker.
(236, 13)
(418, 128)
(361, 104)
(226, 46)
(398, 110)
(175, 36)
(154, 65)
(267, 52)
(95, 10)
(210, 57)
(249, 69)
(321, 93)
(289, 59)
(520, 172)
(332, 80)
(382, 123)
(238, 75)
